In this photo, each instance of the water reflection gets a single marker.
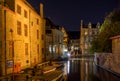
(88, 70)
(68, 63)
(80, 70)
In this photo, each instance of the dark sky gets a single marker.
(68, 13)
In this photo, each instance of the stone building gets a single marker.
(21, 35)
(54, 41)
(87, 34)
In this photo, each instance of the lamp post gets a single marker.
(12, 46)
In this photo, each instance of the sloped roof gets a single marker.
(115, 37)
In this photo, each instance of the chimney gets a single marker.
(81, 24)
(41, 10)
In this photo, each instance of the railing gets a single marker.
(105, 74)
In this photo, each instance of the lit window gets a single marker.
(19, 32)
(86, 33)
(18, 9)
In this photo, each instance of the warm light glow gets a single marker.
(86, 33)
(50, 49)
(68, 66)
(65, 49)
(54, 48)
(50, 70)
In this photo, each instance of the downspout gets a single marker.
(30, 38)
(5, 40)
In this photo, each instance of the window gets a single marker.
(25, 30)
(19, 30)
(10, 49)
(26, 48)
(42, 37)
(18, 9)
(86, 32)
(32, 23)
(42, 50)
(37, 21)
(0, 44)
(38, 49)
(25, 13)
(0, 48)
(37, 34)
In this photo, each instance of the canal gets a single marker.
(80, 69)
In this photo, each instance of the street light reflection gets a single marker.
(68, 62)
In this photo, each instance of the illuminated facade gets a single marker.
(54, 40)
(21, 35)
(65, 39)
(87, 34)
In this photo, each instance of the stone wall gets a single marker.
(108, 60)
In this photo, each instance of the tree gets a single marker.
(110, 28)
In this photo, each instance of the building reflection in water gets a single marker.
(73, 70)
(87, 70)
(79, 70)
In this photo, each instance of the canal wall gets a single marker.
(108, 60)
(105, 74)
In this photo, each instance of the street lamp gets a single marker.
(12, 46)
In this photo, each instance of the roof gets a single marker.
(93, 26)
(115, 37)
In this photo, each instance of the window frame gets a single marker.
(19, 28)
(19, 9)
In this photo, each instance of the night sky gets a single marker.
(69, 13)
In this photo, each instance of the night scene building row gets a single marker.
(26, 37)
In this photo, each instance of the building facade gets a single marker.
(87, 34)
(115, 44)
(65, 40)
(54, 40)
(74, 43)
(21, 36)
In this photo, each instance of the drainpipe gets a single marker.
(5, 40)
(30, 37)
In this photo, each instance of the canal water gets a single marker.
(80, 69)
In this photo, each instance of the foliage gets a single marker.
(110, 28)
